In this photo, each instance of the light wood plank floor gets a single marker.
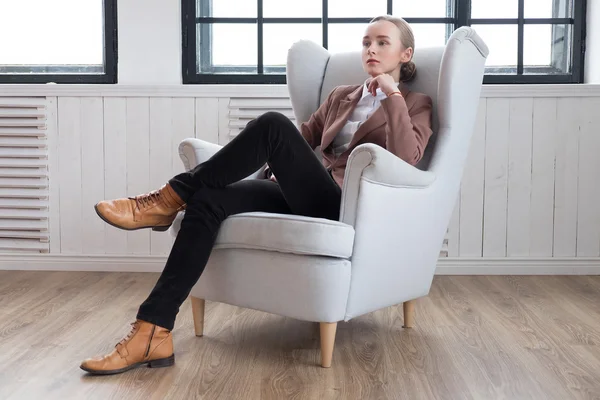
(475, 337)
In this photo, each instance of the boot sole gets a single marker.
(154, 228)
(160, 363)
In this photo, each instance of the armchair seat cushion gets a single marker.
(287, 234)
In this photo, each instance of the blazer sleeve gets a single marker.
(312, 130)
(407, 131)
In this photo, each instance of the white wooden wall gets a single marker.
(114, 147)
(532, 183)
(531, 188)
(111, 147)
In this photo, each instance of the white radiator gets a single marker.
(243, 110)
(23, 175)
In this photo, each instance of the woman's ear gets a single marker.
(406, 55)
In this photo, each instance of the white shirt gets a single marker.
(365, 107)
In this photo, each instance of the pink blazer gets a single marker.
(402, 125)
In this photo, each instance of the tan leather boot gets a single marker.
(155, 210)
(145, 344)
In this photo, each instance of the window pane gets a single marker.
(356, 8)
(278, 38)
(226, 8)
(502, 42)
(429, 35)
(548, 8)
(39, 32)
(345, 37)
(292, 8)
(547, 49)
(422, 8)
(494, 9)
(232, 46)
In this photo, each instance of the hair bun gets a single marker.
(408, 71)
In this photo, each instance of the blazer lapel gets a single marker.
(376, 120)
(373, 122)
(344, 111)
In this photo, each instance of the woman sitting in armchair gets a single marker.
(381, 111)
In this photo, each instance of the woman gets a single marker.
(379, 111)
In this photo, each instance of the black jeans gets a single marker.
(213, 190)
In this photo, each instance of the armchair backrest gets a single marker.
(395, 252)
(312, 72)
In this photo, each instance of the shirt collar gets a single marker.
(379, 92)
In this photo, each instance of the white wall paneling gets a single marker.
(115, 168)
(568, 120)
(207, 119)
(69, 180)
(495, 182)
(518, 203)
(137, 115)
(54, 172)
(530, 192)
(91, 132)
(588, 180)
(110, 147)
(470, 225)
(543, 147)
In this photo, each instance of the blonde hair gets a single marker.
(408, 70)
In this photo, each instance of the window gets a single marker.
(62, 41)
(246, 41)
(531, 41)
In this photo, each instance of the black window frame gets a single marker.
(75, 74)
(462, 12)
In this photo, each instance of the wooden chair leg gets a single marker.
(198, 313)
(327, 340)
(409, 313)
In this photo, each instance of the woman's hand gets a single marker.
(383, 81)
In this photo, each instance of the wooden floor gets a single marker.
(475, 337)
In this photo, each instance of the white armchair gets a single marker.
(384, 248)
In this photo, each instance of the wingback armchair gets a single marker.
(384, 248)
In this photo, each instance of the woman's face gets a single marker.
(382, 51)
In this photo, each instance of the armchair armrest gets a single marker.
(395, 210)
(376, 165)
(194, 151)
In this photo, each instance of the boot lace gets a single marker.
(134, 328)
(146, 200)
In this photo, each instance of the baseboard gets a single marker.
(446, 266)
(519, 266)
(108, 263)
